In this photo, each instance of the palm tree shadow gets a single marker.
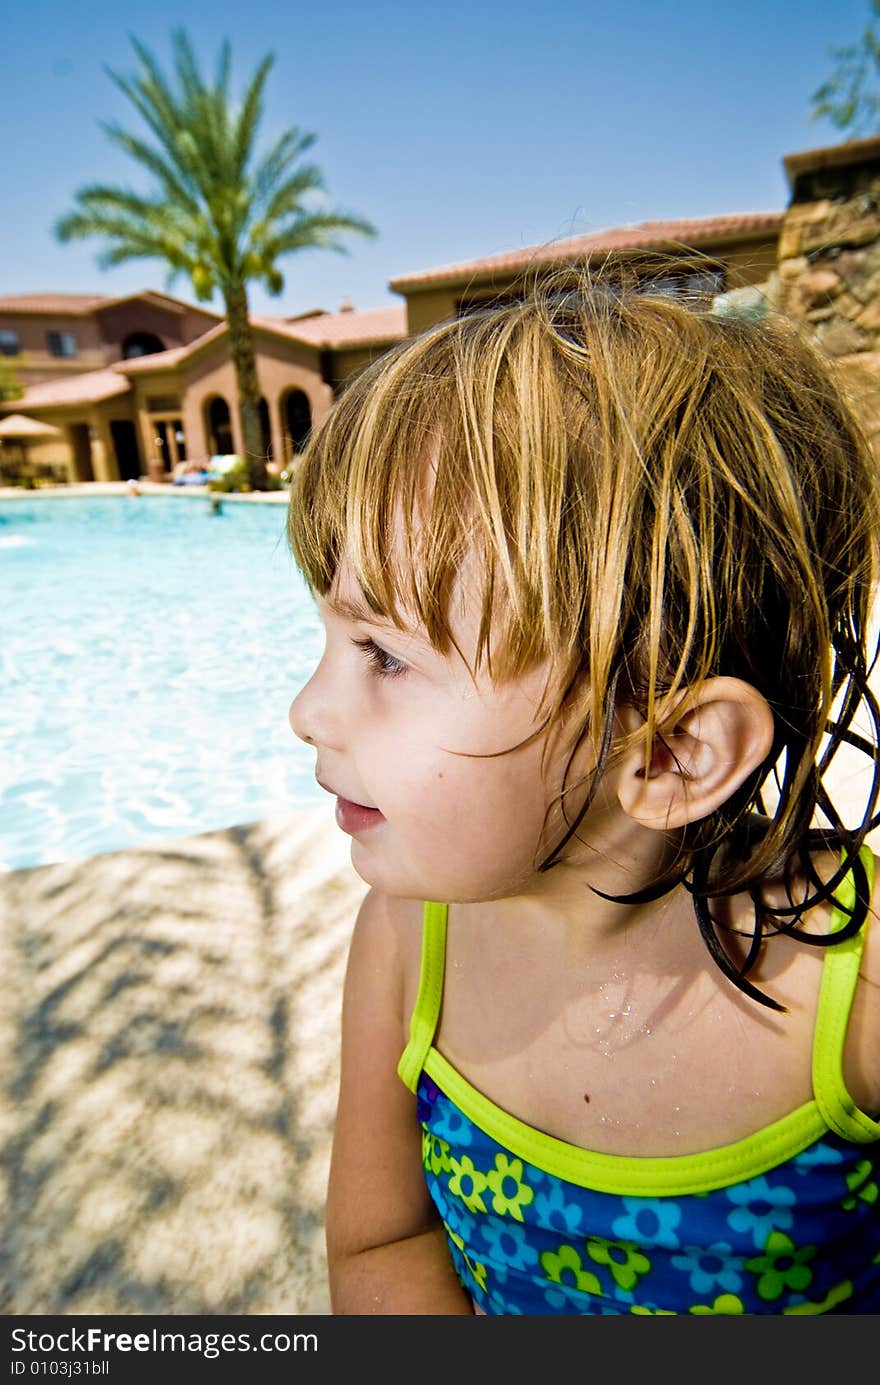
(169, 1063)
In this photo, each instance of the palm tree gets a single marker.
(213, 215)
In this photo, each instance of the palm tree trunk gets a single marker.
(241, 345)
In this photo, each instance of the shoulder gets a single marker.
(388, 925)
(385, 951)
(861, 1056)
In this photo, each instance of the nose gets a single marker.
(312, 717)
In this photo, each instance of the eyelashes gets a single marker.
(382, 663)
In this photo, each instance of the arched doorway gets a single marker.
(297, 421)
(218, 427)
(141, 344)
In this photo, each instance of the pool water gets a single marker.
(149, 652)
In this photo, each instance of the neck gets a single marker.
(610, 855)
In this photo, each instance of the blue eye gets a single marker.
(385, 665)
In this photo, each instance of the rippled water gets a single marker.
(149, 651)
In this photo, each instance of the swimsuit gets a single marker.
(785, 1221)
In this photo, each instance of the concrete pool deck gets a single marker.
(168, 1064)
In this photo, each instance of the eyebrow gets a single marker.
(353, 610)
(358, 610)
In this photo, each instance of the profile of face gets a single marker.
(393, 722)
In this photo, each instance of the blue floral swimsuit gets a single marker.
(785, 1221)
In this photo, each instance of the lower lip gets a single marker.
(352, 817)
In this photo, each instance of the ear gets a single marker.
(704, 750)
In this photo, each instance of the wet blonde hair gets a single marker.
(657, 494)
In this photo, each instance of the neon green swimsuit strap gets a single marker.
(839, 979)
(426, 1010)
(840, 974)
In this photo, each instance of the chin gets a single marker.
(371, 872)
(384, 871)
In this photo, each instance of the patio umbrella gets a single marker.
(18, 428)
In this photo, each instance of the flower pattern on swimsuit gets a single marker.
(800, 1238)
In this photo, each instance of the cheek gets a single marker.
(459, 827)
(473, 826)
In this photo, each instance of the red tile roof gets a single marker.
(165, 300)
(378, 326)
(157, 360)
(62, 303)
(319, 330)
(88, 388)
(315, 327)
(167, 360)
(644, 235)
(82, 304)
(374, 326)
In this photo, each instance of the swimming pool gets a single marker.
(149, 651)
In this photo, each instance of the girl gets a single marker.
(595, 571)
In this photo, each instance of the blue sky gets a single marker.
(459, 129)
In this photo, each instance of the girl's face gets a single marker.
(390, 718)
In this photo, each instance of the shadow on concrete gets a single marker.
(168, 1054)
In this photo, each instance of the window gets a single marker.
(162, 403)
(140, 344)
(9, 344)
(61, 343)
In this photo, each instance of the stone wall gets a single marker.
(828, 271)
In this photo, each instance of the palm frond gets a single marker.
(181, 190)
(224, 70)
(101, 211)
(121, 233)
(273, 174)
(140, 249)
(160, 113)
(249, 118)
(186, 66)
(287, 199)
(163, 111)
(319, 229)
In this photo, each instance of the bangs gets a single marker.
(428, 463)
